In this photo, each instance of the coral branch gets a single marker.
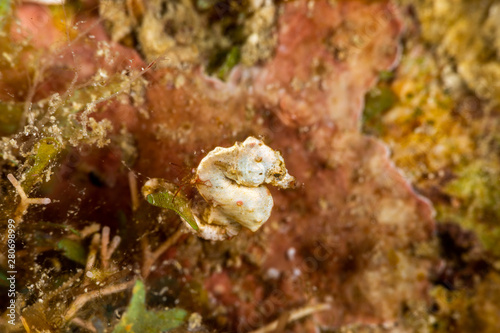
(83, 324)
(25, 201)
(91, 258)
(106, 248)
(151, 257)
(81, 300)
(132, 181)
(294, 315)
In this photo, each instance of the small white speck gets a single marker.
(290, 253)
(273, 273)
(89, 274)
(253, 39)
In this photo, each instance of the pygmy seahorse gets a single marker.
(232, 182)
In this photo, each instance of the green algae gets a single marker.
(43, 157)
(137, 319)
(175, 202)
(477, 187)
(377, 101)
(73, 250)
(232, 58)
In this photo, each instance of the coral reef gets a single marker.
(466, 34)
(442, 129)
(98, 99)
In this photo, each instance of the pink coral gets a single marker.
(354, 222)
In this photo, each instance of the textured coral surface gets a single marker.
(150, 97)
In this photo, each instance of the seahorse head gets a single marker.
(258, 164)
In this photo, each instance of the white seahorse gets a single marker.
(232, 182)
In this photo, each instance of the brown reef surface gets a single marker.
(354, 234)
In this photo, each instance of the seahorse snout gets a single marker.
(287, 182)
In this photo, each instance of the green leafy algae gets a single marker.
(5, 11)
(44, 156)
(137, 319)
(231, 60)
(377, 101)
(73, 250)
(176, 202)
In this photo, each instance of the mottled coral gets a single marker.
(442, 128)
(468, 33)
(327, 57)
(446, 144)
(348, 236)
(354, 201)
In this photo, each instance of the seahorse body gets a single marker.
(232, 180)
